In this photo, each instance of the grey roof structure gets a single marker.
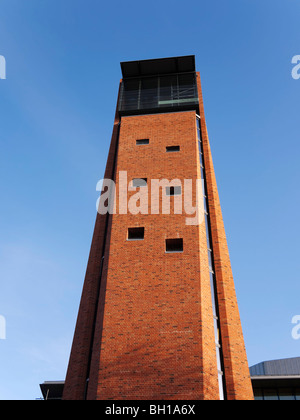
(282, 367)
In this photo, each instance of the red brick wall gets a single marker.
(156, 337)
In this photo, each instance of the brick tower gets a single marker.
(158, 317)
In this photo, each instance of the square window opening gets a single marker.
(139, 182)
(141, 142)
(171, 149)
(174, 245)
(173, 191)
(136, 234)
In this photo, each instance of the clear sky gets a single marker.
(56, 115)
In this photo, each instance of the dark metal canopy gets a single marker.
(158, 66)
(52, 390)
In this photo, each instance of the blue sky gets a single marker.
(56, 114)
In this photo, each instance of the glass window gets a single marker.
(219, 360)
(149, 93)
(167, 90)
(221, 390)
(270, 394)
(201, 158)
(187, 86)
(203, 188)
(202, 172)
(213, 296)
(210, 264)
(130, 94)
(205, 205)
(286, 394)
(217, 331)
(207, 232)
(258, 394)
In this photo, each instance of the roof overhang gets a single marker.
(52, 390)
(272, 381)
(158, 66)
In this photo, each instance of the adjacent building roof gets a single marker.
(52, 390)
(270, 375)
(277, 376)
(282, 367)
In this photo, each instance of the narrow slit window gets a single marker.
(173, 191)
(174, 245)
(139, 182)
(136, 234)
(171, 149)
(141, 142)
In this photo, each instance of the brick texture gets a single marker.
(157, 324)
(152, 336)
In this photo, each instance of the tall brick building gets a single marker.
(158, 317)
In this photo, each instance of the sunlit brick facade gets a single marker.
(158, 317)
